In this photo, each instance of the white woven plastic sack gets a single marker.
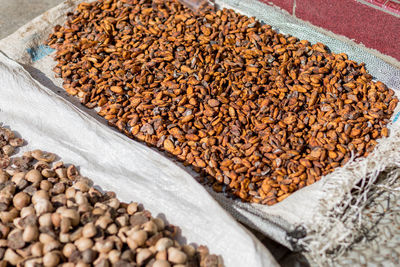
(309, 218)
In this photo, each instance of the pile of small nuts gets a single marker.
(52, 216)
(260, 113)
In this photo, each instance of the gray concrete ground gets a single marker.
(15, 13)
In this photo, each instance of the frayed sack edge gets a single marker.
(338, 222)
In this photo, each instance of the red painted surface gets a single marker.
(379, 3)
(365, 24)
(284, 4)
(393, 7)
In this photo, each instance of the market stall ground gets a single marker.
(311, 34)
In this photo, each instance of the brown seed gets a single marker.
(51, 259)
(168, 145)
(33, 176)
(213, 103)
(176, 256)
(16, 142)
(8, 150)
(31, 233)
(143, 255)
(385, 132)
(43, 156)
(72, 172)
(117, 89)
(21, 200)
(132, 208)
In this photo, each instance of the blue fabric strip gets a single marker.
(39, 52)
(396, 117)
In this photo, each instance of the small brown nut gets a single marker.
(12, 257)
(88, 256)
(162, 255)
(80, 198)
(103, 221)
(69, 249)
(51, 259)
(41, 165)
(8, 150)
(45, 220)
(150, 227)
(18, 177)
(56, 219)
(50, 246)
(189, 250)
(31, 233)
(161, 263)
(83, 243)
(43, 156)
(132, 208)
(26, 211)
(19, 223)
(4, 163)
(113, 203)
(72, 172)
(40, 195)
(176, 256)
(16, 142)
(114, 256)
(65, 225)
(45, 185)
(33, 176)
(82, 185)
(64, 238)
(122, 220)
(73, 215)
(76, 235)
(160, 223)
(6, 133)
(100, 262)
(37, 249)
(4, 176)
(70, 192)
(112, 229)
(21, 200)
(45, 238)
(104, 246)
(48, 173)
(14, 239)
(89, 230)
(27, 155)
(8, 216)
(139, 237)
(143, 255)
(58, 188)
(61, 173)
(43, 206)
(164, 243)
